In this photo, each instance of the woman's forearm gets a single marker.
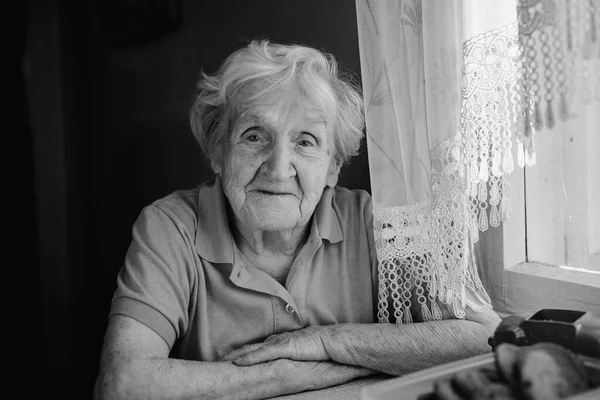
(165, 378)
(400, 349)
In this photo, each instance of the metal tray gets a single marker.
(411, 386)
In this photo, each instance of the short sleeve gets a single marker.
(155, 282)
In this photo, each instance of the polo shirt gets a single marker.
(185, 278)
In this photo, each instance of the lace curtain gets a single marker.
(561, 69)
(450, 87)
(440, 82)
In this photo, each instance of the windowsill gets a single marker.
(549, 271)
(531, 286)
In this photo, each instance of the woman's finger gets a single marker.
(241, 351)
(263, 354)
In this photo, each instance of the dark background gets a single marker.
(102, 93)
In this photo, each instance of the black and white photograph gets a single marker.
(304, 199)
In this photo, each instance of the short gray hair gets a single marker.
(278, 65)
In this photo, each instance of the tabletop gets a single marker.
(348, 391)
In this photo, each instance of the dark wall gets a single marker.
(125, 139)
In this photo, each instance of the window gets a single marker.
(547, 255)
(562, 199)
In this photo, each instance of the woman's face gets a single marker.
(277, 161)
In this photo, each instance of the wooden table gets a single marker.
(348, 391)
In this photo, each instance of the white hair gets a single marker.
(277, 65)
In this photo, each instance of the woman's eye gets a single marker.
(252, 136)
(306, 142)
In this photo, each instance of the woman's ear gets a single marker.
(216, 167)
(218, 151)
(215, 160)
(333, 172)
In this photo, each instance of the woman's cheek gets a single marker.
(312, 184)
(233, 183)
(314, 175)
(240, 169)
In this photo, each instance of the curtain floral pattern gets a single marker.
(442, 95)
(561, 44)
(450, 86)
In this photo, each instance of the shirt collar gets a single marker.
(327, 217)
(214, 241)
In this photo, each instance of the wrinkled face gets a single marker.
(278, 159)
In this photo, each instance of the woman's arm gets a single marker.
(400, 349)
(389, 348)
(135, 365)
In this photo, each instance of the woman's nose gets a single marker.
(279, 166)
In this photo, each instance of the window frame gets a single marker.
(519, 286)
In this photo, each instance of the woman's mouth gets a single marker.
(269, 193)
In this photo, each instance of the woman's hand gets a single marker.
(301, 345)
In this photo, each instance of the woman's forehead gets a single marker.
(308, 111)
(284, 100)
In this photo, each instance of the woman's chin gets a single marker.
(276, 219)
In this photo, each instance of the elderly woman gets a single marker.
(263, 282)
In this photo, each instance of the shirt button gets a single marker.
(289, 308)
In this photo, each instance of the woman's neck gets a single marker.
(287, 242)
(271, 251)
